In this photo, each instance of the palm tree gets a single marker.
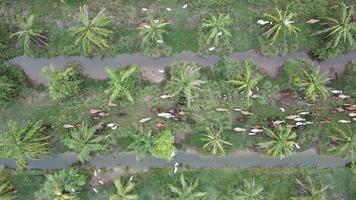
(185, 80)
(63, 185)
(282, 141)
(23, 143)
(314, 82)
(122, 83)
(84, 141)
(6, 188)
(247, 81)
(345, 139)
(186, 191)
(310, 191)
(29, 33)
(340, 30)
(250, 191)
(153, 31)
(216, 28)
(92, 34)
(282, 24)
(213, 140)
(124, 192)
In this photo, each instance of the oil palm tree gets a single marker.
(6, 188)
(282, 24)
(216, 29)
(122, 83)
(340, 30)
(22, 143)
(213, 140)
(310, 191)
(92, 33)
(153, 32)
(124, 192)
(84, 140)
(247, 81)
(62, 185)
(281, 143)
(314, 84)
(29, 33)
(250, 191)
(185, 80)
(345, 143)
(186, 191)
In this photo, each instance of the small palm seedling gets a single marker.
(216, 29)
(311, 191)
(282, 24)
(340, 30)
(84, 141)
(29, 33)
(249, 191)
(314, 84)
(92, 33)
(22, 143)
(186, 190)
(281, 143)
(214, 142)
(124, 191)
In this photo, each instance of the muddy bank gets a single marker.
(307, 158)
(94, 67)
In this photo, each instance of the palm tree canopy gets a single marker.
(314, 84)
(340, 30)
(94, 33)
(345, 139)
(216, 28)
(22, 143)
(186, 191)
(185, 80)
(6, 188)
(282, 24)
(122, 83)
(282, 141)
(311, 191)
(84, 141)
(153, 31)
(124, 191)
(250, 191)
(214, 142)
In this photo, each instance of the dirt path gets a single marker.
(151, 67)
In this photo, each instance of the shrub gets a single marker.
(347, 81)
(64, 82)
(163, 145)
(291, 70)
(12, 81)
(7, 44)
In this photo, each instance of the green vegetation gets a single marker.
(30, 35)
(214, 143)
(122, 83)
(250, 191)
(281, 143)
(6, 187)
(92, 33)
(25, 142)
(65, 184)
(124, 191)
(282, 25)
(186, 190)
(84, 141)
(216, 29)
(66, 82)
(12, 82)
(162, 146)
(310, 190)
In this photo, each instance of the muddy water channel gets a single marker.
(94, 67)
(308, 158)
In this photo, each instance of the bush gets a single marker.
(7, 44)
(64, 82)
(163, 145)
(12, 81)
